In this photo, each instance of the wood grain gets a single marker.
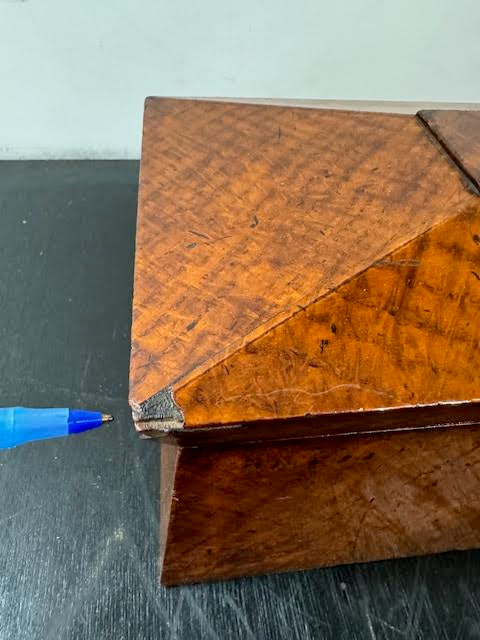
(288, 505)
(169, 454)
(404, 332)
(459, 133)
(248, 213)
(303, 274)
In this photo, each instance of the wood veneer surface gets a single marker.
(251, 509)
(404, 332)
(248, 214)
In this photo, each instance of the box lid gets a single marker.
(302, 271)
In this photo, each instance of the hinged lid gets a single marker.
(300, 263)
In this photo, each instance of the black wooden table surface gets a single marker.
(79, 516)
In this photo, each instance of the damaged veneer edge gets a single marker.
(158, 415)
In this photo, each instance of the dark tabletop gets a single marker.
(79, 516)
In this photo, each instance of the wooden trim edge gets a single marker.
(470, 182)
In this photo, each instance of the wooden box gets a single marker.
(305, 341)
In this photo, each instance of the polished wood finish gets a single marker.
(305, 335)
(249, 509)
(248, 214)
(404, 332)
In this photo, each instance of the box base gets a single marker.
(244, 509)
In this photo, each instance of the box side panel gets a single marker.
(169, 454)
(250, 509)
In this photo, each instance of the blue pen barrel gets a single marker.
(19, 424)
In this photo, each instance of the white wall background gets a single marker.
(73, 74)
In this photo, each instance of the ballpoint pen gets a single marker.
(19, 424)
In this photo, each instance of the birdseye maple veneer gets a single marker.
(305, 341)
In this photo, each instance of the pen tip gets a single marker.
(106, 417)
